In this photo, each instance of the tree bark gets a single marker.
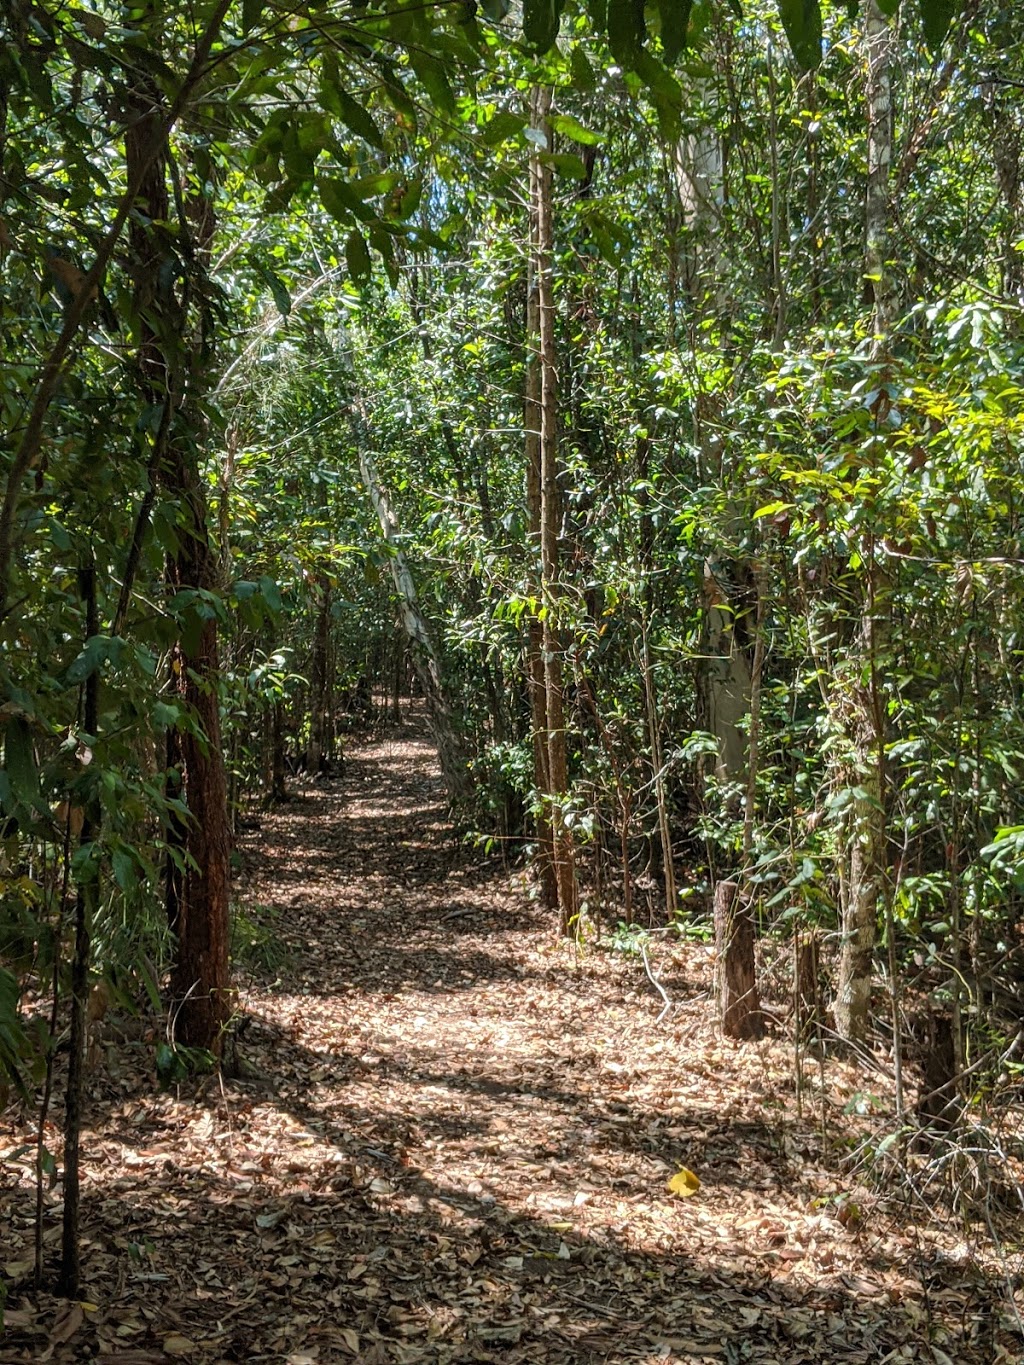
(858, 702)
(544, 858)
(172, 363)
(542, 251)
(87, 899)
(877, 271)
(316, 752)
(738, 1001)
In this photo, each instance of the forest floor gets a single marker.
(452, 1142)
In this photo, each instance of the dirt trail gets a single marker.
(455, 1140)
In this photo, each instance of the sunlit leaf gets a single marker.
(684, 1183)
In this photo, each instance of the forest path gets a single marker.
(455, 1140)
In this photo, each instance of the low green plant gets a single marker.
(255, 940)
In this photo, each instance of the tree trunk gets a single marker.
(806, 995)
(278, 784)
(200, 868)
(859, 703)
(861, 885)
(172, 364)
(544, 858)
(738, 1002)
(87, 900)
(878, 43)
(726, 677)
(316, 751)
(542, 251)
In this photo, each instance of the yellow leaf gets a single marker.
(684, 1183)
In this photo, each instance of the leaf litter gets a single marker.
(453, 1138)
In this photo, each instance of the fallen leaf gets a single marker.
(179, 1346)
(684, 1183)
(68, 1325)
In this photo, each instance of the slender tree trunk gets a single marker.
(658, 768)
(278, 785)
(860, 706)
(542, 248)
(877, 270)
(726, 674)
(738, 1000)
(172, 373)
(544, 859)
(87, 896)
(318, 680)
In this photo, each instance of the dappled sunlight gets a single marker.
(450, 1138)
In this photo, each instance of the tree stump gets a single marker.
(738, 1002)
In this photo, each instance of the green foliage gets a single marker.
(255, 939)
(176, 1065)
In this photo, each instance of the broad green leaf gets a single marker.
(384, 245)
(410, 200)
(339, 201)
(252, 12)
(675, 20)
(280, 292)
(95, 653)
(432, 75)
(354, 115)
(541, 19)
(802, 21)
(368, 186)
(20, 761)
(626, 30)
(936, 16)
(572, 128)
(124, 867)
(357, 256)
(503, 126)
(271, 593)
(566, 164)
(583, 77)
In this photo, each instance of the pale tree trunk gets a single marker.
(658, 767)
(698, 172)
(726, 675)
(532, 420)
(859, 704)
(877, 270)
(862, 882)
(542, 254)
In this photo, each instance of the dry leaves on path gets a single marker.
(455, 1141)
